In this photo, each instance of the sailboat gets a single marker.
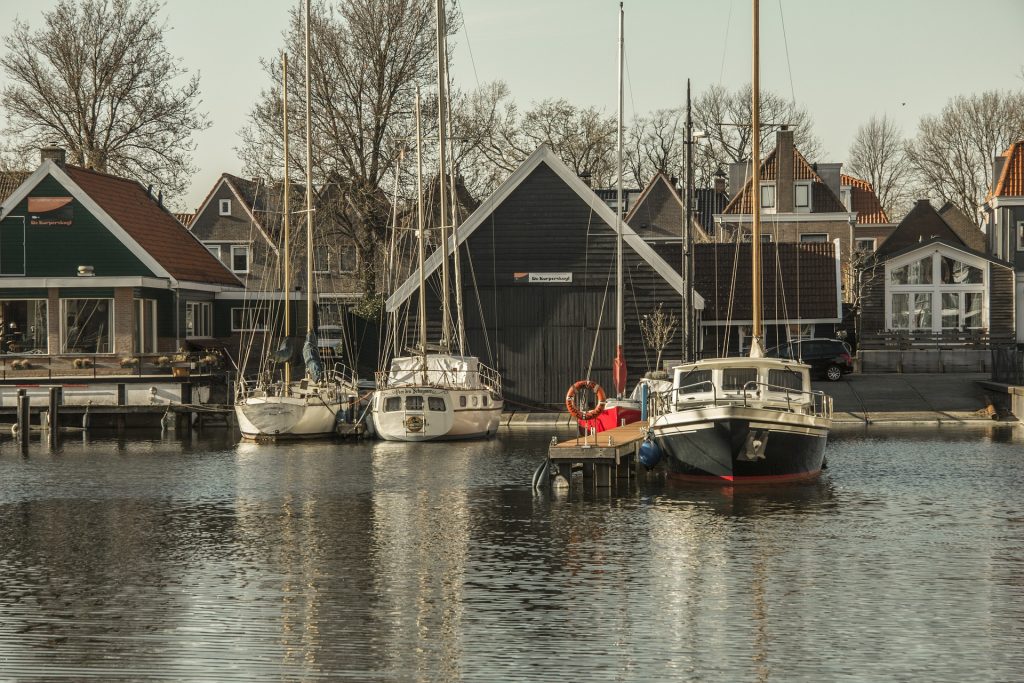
(426, 395)
(748, 419)
(312, 406)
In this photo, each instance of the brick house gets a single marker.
(1003, 215)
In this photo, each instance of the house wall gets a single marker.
(542, 336)
(782, 230)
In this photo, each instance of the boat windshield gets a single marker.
(734, 379)
(785, 379)
(695, 382)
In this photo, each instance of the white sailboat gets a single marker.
(744, 420)
(438, 395)
(309, 407)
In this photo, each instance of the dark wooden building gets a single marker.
(538, 267)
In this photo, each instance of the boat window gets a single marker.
(785, 379)
(462, 401)
(435, 403)
(734, 379)
(476, 400)
(695, 382)
(414, 403)
(485, 401)
(392, 403)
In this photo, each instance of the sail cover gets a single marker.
(311, 356)
(462, 372)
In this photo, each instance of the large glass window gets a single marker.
(199, 319)
(23, 324)
(916, 273)
(86, 325)
(955, 272)
(950, 310)
(145, 326)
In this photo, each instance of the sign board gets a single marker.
(544, 278)
(50, 212)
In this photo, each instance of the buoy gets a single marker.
(560, 482)
(650, 454)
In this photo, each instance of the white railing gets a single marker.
(819, 403)
(484, 377)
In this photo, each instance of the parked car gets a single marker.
(828, 358)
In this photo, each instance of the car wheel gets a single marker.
(833, 373)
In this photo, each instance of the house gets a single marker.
(930, 288)
(657, 213)
(873, 226)
(1003, 215)
(241, 223)
(799, 201)
(537, 261)
(93, 265)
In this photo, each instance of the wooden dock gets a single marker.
(605, 457)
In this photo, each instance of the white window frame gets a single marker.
(147, 342)
(805, 238)
(224, 207)
(797, 206)
(62, 339)
(248, 257)
(250, 313)
(201, 314)
(1020, 235)
(937, 289)
(214, 249)
(760, 196)
(874, 244)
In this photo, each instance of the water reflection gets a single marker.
(143, 556)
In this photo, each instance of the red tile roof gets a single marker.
(153, 227)
(864, 201)
(185, 218)
(1011, 181)
(824, 200)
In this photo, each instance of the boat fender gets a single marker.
(539, 474)
(570, 400)
(650, 454)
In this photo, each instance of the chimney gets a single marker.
(739, 172)
(720, 181)
(997, 169)
(54, 153)
(784, 170)
(830, 175)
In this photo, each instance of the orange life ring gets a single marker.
(570, 400)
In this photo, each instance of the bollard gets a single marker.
(24, 424)
(53, 413)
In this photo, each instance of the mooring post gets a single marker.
(24, 425)
(53, 413)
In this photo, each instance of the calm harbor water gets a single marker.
(147, 557)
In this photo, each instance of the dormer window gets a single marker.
(767, 195)
(224, 207)
(802, 197)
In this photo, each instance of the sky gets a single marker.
(842, 61)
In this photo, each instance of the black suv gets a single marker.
(828, 358)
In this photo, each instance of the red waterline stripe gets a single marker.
(730, 479)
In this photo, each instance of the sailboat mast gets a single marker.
(442, 101)
(756, 348)
(619, 365)
(286, 236)
(419, 230)
(309, 193)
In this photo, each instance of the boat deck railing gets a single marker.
(816, 403)
(339, 377)
(484, 377)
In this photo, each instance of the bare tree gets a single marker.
(878, 155)
(658, 329)
(952, 152)
(99, 80)
(368, 56)
(724, 118)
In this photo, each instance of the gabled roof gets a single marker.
(543, 155)
(915, 246)
(251, 195)
(967, 230)
(864, 201)
(131, 214)
(823, 199)
(1010, 182)
(658, 212)
(923, 223)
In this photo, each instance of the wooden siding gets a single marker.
(542, 335)
(85, 242)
